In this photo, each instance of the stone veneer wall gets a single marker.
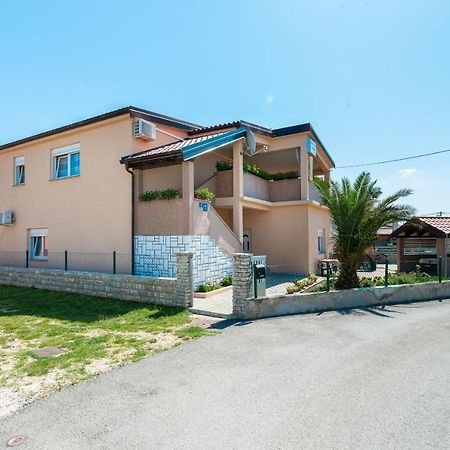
(160, 291)
(242, 282)
(155, 256)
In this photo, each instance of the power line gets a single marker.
(394, 160)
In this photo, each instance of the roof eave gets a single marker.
(131, 110)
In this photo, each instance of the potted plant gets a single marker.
(204, 194)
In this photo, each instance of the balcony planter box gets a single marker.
(284, 190)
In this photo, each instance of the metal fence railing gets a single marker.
(385, 273)
(113, 262)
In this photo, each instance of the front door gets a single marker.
(247, 241)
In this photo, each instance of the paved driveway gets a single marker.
(375, 379)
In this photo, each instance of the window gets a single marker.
(19, 170)
(320, 241)
(38, 244)
(66, 161)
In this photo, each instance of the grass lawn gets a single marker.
(50, 339)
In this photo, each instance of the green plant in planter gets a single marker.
(261, 173)
(204, 194)
(221, 166)
(165, 194)
(290, 175)
(227, 281)
(206, 287)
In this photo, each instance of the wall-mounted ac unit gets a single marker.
(144, 130)
(6, 218)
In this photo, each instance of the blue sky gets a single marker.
(373, 77)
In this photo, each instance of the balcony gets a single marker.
(261, 189)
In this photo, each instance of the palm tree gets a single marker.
(357, 213)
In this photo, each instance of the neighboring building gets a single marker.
(422, 241)
(385, 245)
(68, 191)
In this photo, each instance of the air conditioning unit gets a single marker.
(6, 218)
(144, 130)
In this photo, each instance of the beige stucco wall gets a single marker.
(162, 217)
(90, 213)
(160, 178)
(288, 236)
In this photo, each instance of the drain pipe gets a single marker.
(131, 172)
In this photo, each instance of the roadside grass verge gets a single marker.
(51, 339)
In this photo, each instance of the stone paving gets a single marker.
(278, 282)
(221, 305)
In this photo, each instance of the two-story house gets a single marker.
(79, 188)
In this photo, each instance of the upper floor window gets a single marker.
(320, 241)
(19, 170)
(66, 161)
(38, 245)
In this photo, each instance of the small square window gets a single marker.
(38, 244)
(19, 170)
(66, 161)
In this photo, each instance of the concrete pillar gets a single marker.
(238, 189)
(440, 251)
(400, 247)
(187, 177)
(185, 279)
(304, 173)
(242, 282)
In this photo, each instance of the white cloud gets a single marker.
(407, 172)
(270, 98)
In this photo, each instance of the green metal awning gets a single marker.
(208, 145)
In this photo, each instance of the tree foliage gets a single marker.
(357, 212)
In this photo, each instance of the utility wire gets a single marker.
(394, 160)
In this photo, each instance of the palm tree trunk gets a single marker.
(348, 277)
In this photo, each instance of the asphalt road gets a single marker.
(376, 379)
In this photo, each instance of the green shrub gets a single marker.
(223, 165)
(208, 287)
(366, 282)
(292, 174)
(165, 194)
(257, 171)
(204, 194)
(170, 193)
(302, 284)
(227, 281)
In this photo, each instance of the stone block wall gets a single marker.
(155, 256)
(242, 282)
(161, 291)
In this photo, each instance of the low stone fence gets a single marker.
(246, 307)
(161, 291)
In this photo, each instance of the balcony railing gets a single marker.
(261, 189)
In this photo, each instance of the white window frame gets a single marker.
(37, 233)
(66, 151)
(321, 241)
(19, 161)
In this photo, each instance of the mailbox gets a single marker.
(260, 271)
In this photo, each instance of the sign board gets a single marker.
(311, 147)
(203, 206)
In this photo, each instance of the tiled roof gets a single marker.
(132, 110)
(385, 231)
(236, 124)
(168, 149)
(441, 223)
